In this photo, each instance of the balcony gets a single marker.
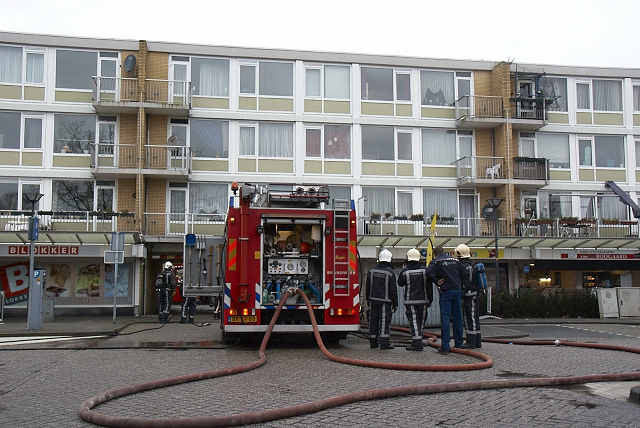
(480, 171)
(530, 173)
(584, 228)
(528, 113)
(69, 221)
(123, 160)
(113, 95)
(479, 111)
(177, 225)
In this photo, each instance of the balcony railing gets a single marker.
(174, 93)
(69, 221)
(474, 167)
(445, 226)
(559, 228)
(525, 168)
(529, 108)
(162, 224)
(116, 156)
(479, 106)
(170, 158)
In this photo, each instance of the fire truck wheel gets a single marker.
(333, 337)
(229, 338)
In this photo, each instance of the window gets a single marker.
(276, 78)
(587, 207)
(609, 151)
(403, 87)
(32, 133)
(404, 145)
(377, 84)
(556, 149)
(210, 77)
(606, 95)
(10, 64)
(106, 134)
(436, 88)
(554, 88)
(247, 140)
(208, 198)
(8, 194)
(73, 133)
(527, 143)
(108, 71)
(209, 138)
(75, 69)
(441, 200)
(378, 199)
(559, 205)
(247, 79)
(405, 204)
(106, 195)
(34, 73)
(10, 130)
(637, 153)
(336, 82)
(438, 147)
(377, 143)
(72, 195)
(585, 152)
(611, 207)
(336, 143)
(275, 140)
(636, 97)
(339, 192)
(179, 72)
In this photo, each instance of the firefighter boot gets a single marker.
(384, 343)
(374, 343)
(183, 320)
(471, 341)
(479, 340)
(416, 345)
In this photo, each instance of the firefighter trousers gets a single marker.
(416, 314)
(380, 322)
(164, 298)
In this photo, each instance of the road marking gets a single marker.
(598, 331)
(29, 340)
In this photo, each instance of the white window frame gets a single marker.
(254, 126)
(396, 73)
(592, 107)
(245, 63)
(34, 51)
(591, 141)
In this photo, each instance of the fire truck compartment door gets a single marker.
(203, 266)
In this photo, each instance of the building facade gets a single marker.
(145, 138)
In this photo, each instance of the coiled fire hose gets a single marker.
(285, 412)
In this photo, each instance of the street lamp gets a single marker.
(492, 213)
(34, 321)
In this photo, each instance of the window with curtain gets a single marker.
(35, 68)
(377, 83)
(247, 141)
(405, 204)
(378, 143)
(583, 95)
(443, 200)
(10, 130)
(637, 153)
(209, 138)
(313, 143)
(585, 152)
(554, 88)
(75, 69)
(607, 95)
(73, 133)
(559, 205)
(339, 192)
(438, 147)
(611, 207)
(436, 88)
(636, 98)
(404, 146)
(208, 198)
(379, 199)
(556, 148)
(9, 194)
(337, 82)
(337, 141)
(72, 195)
(587, 207)
(33, 133)
(210, 77)
(276, 78)
(275, 140)
(10, 64)
(609, 151)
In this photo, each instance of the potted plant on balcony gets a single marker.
(545, 220)
(374, 216)
(568, 221)
(400, 217)
(417, 217)
(521, 220)
(610, 221)
(628, 222)
(388, 216)
(588, 220)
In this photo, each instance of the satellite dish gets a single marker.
(172, 141)
(129, 63)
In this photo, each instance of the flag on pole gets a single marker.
(432, 235)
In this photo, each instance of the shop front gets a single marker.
(78, 282)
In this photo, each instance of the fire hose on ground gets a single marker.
(95, 417)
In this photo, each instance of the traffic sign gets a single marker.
(113, 257)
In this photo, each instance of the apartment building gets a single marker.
(145, 138)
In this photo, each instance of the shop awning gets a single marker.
(60, 237)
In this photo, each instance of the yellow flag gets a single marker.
(432, 235)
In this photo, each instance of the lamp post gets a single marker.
(34, 321)
(494, 203)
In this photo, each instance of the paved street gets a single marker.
(44, 383)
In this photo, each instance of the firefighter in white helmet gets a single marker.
(418, 295)
(165, 286)
(382, 295)
(470, 299)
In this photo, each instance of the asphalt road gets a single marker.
(44, 383)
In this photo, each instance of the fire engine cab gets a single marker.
(276, 241)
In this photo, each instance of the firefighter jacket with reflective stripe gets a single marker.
(447, 268)
(417, 288)
(381, 284)
(468, 284)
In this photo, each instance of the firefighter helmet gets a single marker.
(462, 252)
(413, 255)
(168, 265)
(384, 256)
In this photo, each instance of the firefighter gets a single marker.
(187, 307)
(470, 298)
(165, 286)
(418, 295)
(382, 296)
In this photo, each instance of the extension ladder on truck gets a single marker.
(341, 246)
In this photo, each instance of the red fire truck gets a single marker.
(276, 241)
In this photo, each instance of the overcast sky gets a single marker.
(564, 32)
